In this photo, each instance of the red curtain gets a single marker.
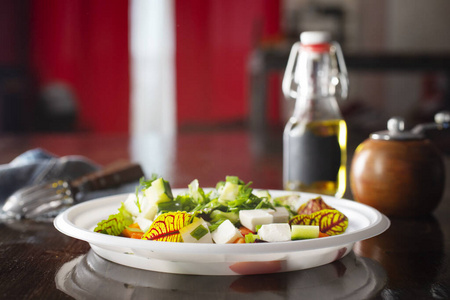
(214, 42)
(85, 45)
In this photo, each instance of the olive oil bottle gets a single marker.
(315, 137)
(315, 157)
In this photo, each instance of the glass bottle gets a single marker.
(315, 137)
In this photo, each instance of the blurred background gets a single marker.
(131, 66)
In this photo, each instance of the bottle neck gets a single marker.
(314, 74)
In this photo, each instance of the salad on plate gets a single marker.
(232, 212)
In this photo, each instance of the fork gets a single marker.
(50, 197)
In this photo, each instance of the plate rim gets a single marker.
(377, 226)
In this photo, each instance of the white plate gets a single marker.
(214, 259)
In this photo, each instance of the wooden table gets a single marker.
(411, 260)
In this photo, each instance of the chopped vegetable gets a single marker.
(196, 232)
(301, 232)
(229, 192)
(330, 221)
(244, 230)
(217, 215)
(115, 224)
(321, 234)
(159, 191)
(251, 238)
(313, 206)
(290, 202)
(233, 212)
(132, 229)
(166, 227)
(199, 232)
(144, 223)
(240, 240)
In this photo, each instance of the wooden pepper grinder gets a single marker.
(398, 172)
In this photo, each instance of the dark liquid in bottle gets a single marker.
(315, 157)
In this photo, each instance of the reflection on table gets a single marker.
(414, 265)
(92, 277)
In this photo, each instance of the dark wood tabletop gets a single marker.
(411, 260)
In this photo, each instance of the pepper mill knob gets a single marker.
(396, 124)
(442, 117)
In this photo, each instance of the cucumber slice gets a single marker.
(251, 238)
(196, 232)
(262, 194)
(301, 232)
(159, 191)
(229, 192)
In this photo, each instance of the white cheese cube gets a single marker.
(131, 204)
(144, 223)
(196, 232)
(226, 233)
(252, 218)
(280, 215)
(279, 232)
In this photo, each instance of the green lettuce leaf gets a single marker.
(247, 200)
(116, 223)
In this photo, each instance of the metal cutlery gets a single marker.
(50, 197)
